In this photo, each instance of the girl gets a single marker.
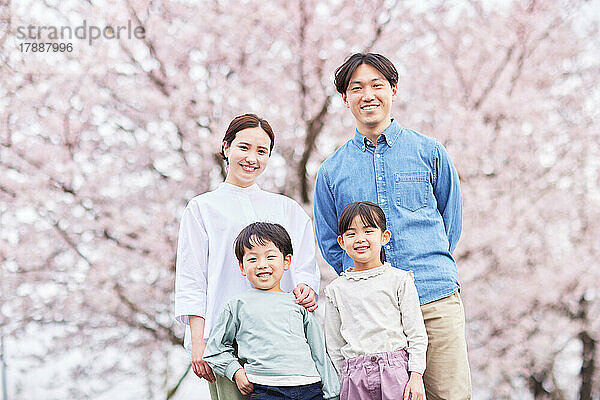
(374, 328)
(207, 272)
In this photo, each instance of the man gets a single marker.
(411, 177)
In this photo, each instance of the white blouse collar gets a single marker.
(369, 273)
(238, 189)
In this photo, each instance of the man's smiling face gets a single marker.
(369, 97)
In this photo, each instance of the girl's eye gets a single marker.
(262, 152)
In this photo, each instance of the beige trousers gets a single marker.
(224, 389)
(447, 375)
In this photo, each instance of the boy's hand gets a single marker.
(242, 382)
(306, 297)
(414, 387)
(201, 367)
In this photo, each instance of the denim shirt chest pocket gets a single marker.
(412, 189)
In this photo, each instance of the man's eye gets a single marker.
(378, 85)
(243, 147)
(262, 152)
(355, 88)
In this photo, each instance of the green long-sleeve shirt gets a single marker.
(276, 337)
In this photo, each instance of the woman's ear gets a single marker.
(226, 149)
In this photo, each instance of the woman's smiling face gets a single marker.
(248, 155)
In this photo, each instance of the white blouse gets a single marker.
(207, 270)
(374, 311)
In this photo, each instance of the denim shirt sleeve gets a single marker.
(446, 189)
(326, 223)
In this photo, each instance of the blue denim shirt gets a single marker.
(411, 177)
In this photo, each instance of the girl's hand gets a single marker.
(200, 367)
(306, 297)
(414, 387)
(242, 382)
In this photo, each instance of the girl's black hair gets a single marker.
(377, 61)
(370, 214)
(242, 122)
(260, 233)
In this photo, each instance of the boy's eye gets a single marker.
(271, 257)
(252, 259)
(243, 147)
(262, 152)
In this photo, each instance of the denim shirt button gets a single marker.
(373, 358)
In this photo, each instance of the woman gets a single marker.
(207, 272)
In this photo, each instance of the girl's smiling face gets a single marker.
(248, 155)
(363, 244)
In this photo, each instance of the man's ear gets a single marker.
(385, 237)
(242, 269)
(345, 99)
(287, 261)
(341, 242)
(394, 91)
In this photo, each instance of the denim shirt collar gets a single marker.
(388, 136)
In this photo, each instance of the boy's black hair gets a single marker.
(260, 233)
(377, 61)
(370, 214)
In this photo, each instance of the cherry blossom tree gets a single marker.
(103, 146)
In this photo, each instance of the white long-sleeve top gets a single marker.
(207, 270)
(374, 311)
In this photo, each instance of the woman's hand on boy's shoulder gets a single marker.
(242, 382)
(306, 296)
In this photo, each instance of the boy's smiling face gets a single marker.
(264, 264)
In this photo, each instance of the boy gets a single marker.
(280, 341)
(412, 178)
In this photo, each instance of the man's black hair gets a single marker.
(260, 233)
(377, 61)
